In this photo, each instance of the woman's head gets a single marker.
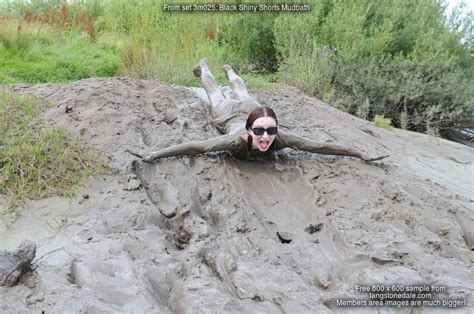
(262, 127)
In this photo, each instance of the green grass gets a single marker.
(38, 159)
(259, 82)
(32, 55)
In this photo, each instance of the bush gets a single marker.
(311, 69)
(402, 62)
(414, 95)
(382, 122)
(249, 38)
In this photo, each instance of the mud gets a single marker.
(286, 236)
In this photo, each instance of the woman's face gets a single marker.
(262, 141)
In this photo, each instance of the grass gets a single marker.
(49, 42)
(39, 54)
(38, 159)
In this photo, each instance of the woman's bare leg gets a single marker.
(216, 97)
(236, 83)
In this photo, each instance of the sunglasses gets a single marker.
(270, 131)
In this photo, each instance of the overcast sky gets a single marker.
(452, 3)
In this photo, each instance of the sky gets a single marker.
(453, 3)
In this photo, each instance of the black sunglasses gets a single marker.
(270, 131)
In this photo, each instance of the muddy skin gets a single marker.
(393, 222)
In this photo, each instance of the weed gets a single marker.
(88, 25)
(404, 118)
(382, 122)
(137, 60)
(364, 110)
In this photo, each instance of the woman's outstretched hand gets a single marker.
(149, 158)
(369, 159)
(134, 153)
(144, 157)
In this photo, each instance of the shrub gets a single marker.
(413, 94)
(404, 62)
(382, 122)
(249, 37)
(312, 69)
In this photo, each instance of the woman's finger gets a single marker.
(376, 158)
(134, 153)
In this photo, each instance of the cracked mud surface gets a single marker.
(286, 236)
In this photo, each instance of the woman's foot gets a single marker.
(228, 69)
(197, 71)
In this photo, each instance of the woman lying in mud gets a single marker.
(247, 136)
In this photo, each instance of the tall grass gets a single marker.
(162, 45)
(38, 53)
(312, 68)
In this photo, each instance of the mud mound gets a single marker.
(293, 235)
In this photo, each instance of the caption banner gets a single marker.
(401, 296)
(247, 8)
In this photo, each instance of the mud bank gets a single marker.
(289, 236)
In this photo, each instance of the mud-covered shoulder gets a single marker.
(237, 141)
(279, 141)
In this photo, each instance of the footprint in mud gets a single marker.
(164, 196)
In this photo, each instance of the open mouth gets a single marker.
(264, 145)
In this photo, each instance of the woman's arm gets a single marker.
(224, 142)
(288, 139)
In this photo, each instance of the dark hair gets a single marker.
(254, 115)
(258, 113)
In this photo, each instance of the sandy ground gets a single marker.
(294, 235)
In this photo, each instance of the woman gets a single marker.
(253, 136)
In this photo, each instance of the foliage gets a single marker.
(312, 69)
(427, 93)
(411, 62)
(404, 62)
(250, 39)
(382, 122)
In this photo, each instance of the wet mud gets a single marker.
(211, 233)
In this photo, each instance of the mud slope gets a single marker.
(288, 236)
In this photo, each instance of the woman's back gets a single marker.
(229, 108)
(230, 116)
